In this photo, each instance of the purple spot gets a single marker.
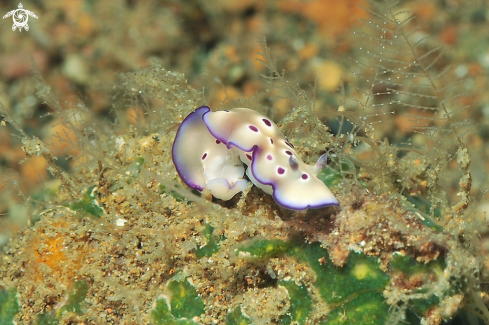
(267, 122)
(253, 128)
(271, 140)
(289, 144)
(280, 170)
(248, 156)
(205, 155)
(288, 152)
(269, 157)
(293, 163)
(218, 142)
(304, 176)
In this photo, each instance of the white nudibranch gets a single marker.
(210, 147)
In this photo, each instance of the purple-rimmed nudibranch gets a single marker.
(210, 148)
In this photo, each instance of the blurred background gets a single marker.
(81, 46)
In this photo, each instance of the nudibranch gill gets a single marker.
(210, 148)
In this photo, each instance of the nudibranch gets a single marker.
(210, 148)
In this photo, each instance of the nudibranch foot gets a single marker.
(265, 188)
(221, 189)
(211, 147)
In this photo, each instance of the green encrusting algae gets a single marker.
(88, 204)
(300, 303)
(212, 245)
(354, 290)
(8, 306)
(184, 305)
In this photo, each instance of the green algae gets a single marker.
(409, 266)
(421, 306)
(330, 177)
(422, 207)
(47, 319)
(45, 194)
(185, 302)
(266, 248)
(236, 317)
(335, 284)
(212, 245)
(427, 220)
(366, 308)
(77, 296)
(9, 306)
(161, 315)
(355, 290)
(88, 204)
(300, 303)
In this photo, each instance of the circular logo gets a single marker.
(20, 18)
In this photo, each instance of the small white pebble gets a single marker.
(120, 222)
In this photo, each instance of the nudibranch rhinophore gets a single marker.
(210, 148)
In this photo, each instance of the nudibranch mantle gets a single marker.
(209, 146)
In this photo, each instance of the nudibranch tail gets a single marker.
(186, 153)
